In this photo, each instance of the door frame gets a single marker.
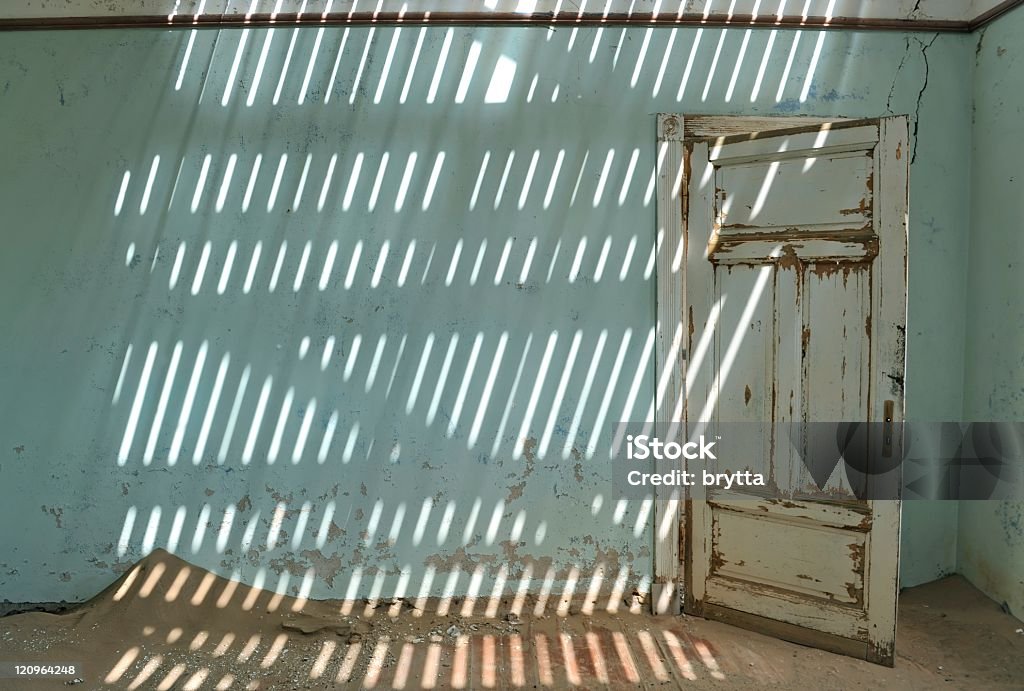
(674, 131)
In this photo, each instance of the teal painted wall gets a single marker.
(991, 544)
(132, 305)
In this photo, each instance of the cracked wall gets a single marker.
(350, 311)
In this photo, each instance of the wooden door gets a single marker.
(795, 302)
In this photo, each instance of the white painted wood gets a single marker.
(741, 248)
(942, 10)
(702, 313)
(823, 138)
(760, 194)
(666, 596)
(818, 512)
(714, 127)
(795, 317)
(744, 533)
(889, 353)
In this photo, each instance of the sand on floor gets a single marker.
(167, 624)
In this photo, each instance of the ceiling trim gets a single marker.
(234, 20)
(986, 18)
(221, 21)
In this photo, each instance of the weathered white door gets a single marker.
(795, 301)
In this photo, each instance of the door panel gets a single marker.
(759, 194)
(787, 248)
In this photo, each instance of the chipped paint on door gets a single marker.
(789, 243)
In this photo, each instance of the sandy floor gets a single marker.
(169, 625)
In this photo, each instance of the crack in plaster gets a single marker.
(920, 94)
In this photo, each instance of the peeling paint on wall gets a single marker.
(270, 324)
